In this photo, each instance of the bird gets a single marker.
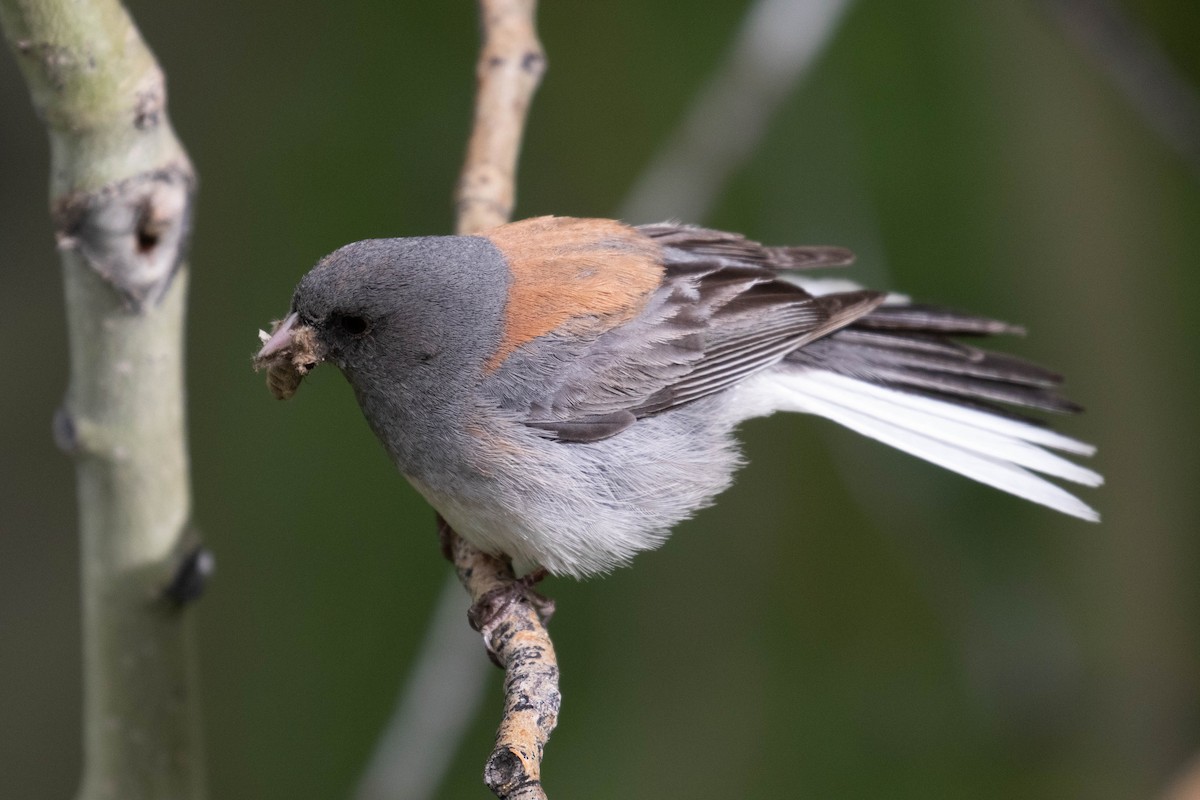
(564, 391)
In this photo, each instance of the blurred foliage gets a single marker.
(848, 622)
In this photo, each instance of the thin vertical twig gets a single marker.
(510, 67)
(121, 197)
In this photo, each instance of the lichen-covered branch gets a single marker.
(121, 189)
(515, 635)
(510, 67)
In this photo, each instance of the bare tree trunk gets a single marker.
(121, 188)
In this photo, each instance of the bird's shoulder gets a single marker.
(583, 276)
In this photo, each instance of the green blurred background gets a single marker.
(848, 622)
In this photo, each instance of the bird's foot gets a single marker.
(491, 605)
(487, 611)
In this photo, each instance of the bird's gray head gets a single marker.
(397, 315)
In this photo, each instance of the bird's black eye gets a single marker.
(350, 324)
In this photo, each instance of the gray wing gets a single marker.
(720, 315)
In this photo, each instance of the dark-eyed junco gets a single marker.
(564, 391)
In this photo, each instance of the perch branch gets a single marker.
(510, 67)
(516, 636)
(121, 190)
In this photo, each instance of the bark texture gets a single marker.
(121, 191)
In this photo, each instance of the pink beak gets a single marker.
(281, 339)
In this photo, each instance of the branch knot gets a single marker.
(132, 233)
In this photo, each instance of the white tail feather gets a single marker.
(933, 421)
(991, 449)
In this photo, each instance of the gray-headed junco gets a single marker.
(563, 391)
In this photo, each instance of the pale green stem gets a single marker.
(121, 188)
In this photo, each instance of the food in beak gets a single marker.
(288, 353)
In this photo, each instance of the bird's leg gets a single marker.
(446, 536)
